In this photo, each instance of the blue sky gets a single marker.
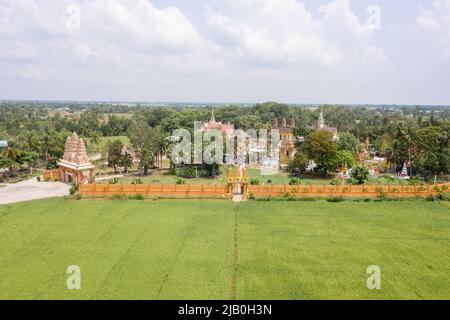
(226, 50)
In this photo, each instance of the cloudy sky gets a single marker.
(294, 51)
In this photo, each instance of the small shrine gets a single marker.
(237, 184)
(75, 167)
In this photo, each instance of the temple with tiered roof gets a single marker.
(322, 126)
(75, 167)
(225, 128)
(287, 143)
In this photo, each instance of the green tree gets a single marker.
(360, 174)
(115, 149)
(298, 163)
(28, 157)
(348, 142)
(345, 158)
(142, 138)
(10, 158)
(321, 148)
(126, 161)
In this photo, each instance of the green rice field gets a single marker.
(214, 249)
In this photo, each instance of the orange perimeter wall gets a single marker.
(260, 191)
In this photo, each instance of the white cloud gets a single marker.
(284, 32)
(238, 50)
(123, 35)
(437, 21)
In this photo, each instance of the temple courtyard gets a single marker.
(31, 190)
(212, 249)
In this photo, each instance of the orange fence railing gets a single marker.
(153, 190)
(348, 190)
(262, 190)
(51, 175)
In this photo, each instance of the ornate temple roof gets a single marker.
(75, 155)
(213, 124)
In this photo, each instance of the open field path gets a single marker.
(31, 190)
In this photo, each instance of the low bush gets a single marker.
(74, 189)
(137, 181)
(113, 181)
(119, 197)
(295, 182)
(335, 199)
(187, 172)
(255, 182)
(180, 182)
(136, 197)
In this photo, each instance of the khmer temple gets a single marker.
(75, 167)
(322, 126)
(287, 148)
(213, 124)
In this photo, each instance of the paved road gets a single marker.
(31, 190)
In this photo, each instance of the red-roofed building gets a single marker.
(213, 124)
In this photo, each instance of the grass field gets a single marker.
(103, 143)
(220, 250)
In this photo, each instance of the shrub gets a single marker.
(119, 197)
(180, 181)
(187, 172)
(335, 182)
(335, 199)
(269, 181)
(360, 174)
(113, 181)
(136, 197)
(137, 181)
(295, 182)
(74, 189)
(173, 171)
(255, 182)
(431, 198)
(444, 196)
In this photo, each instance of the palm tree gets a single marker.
(11, 156)
(406, 133)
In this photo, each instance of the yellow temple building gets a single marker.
(287, 147)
